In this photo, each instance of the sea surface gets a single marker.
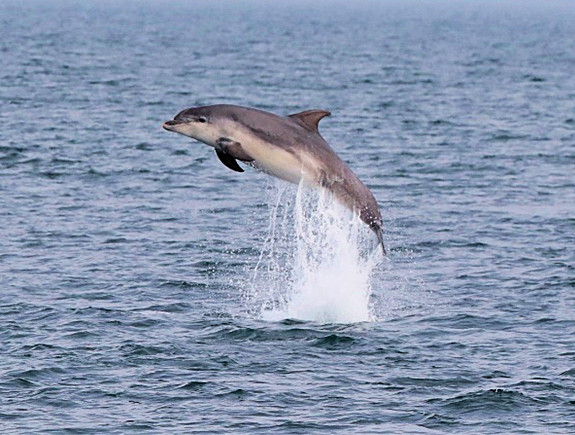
(146, 288)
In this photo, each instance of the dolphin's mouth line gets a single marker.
(168, 124)
(173, 122)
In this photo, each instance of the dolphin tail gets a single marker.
(380, 239)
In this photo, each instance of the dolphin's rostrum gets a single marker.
(289, 148)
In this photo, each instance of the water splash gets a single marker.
(316, 262)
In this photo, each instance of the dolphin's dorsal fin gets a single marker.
(311, 118)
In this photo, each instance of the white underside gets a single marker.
(280, 163)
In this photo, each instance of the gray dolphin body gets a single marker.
(289, 148)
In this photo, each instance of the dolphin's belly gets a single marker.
(278, 162)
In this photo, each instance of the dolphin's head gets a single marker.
(198, 123)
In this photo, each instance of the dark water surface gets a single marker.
(125, 251)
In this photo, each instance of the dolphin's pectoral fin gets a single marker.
(228, 151)
(233, 148)
(311, 118)
(229, 161)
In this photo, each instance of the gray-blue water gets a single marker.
(128, 254)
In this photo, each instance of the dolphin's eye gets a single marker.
(202, 119)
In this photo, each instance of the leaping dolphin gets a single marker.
(289, 148)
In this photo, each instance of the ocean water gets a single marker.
(145, 287)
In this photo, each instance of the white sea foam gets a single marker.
(316, 262)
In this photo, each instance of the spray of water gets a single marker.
(316, 261)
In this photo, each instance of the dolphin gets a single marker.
(287, 147)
